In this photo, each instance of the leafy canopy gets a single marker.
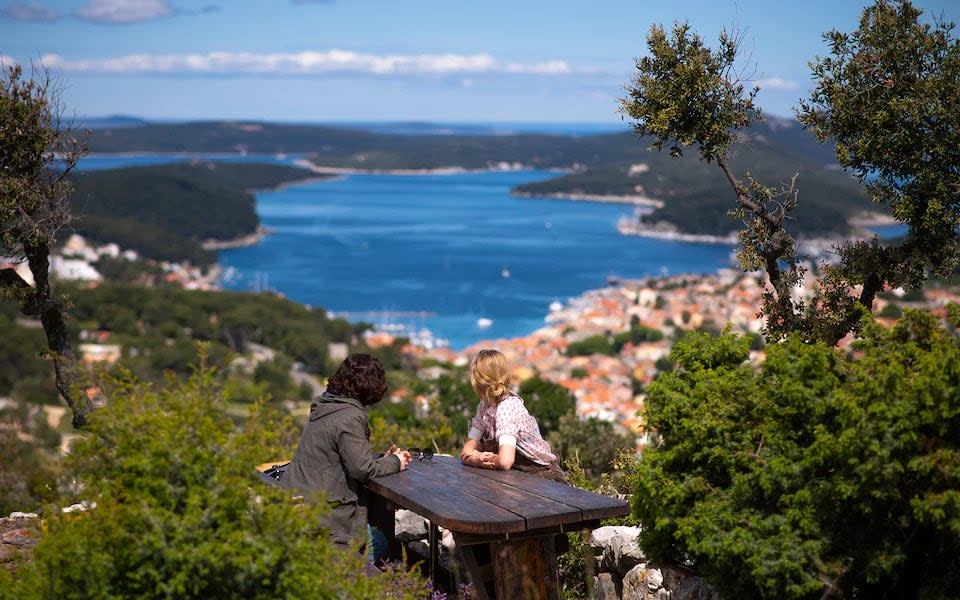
(816, 475)
(886, 96)
(179, 512)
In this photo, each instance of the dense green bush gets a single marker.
(595, 344)
(594, 444)
(180, 514)
(547, 401)
(815, 475)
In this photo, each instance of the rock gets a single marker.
(600, 537)
(23, 515)
(21, 538)
(607, 586)
(643, 583)
(617, 548)
(447, 541)
(420, 550)
(79, 507)
(685, 585)
(7, 554)
(409, 526)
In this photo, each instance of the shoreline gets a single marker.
(632, 199)
(502, 167)
(244, 241)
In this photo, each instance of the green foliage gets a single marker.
(20, 353)
(33, 186)
(29, 469)
(815, 474)
(547, 401)
(685, 94)
(179, 512)
(595, 344)
(164, 211)
(146, 318)
(886, 96)
(637, 334)
(592, 443)
(579, 373)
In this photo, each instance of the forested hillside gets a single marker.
(164, 212)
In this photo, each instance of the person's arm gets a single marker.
(470, 454)
(505, 457)
(359, 461)
(509, 415)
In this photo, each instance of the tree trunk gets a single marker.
(38, 301)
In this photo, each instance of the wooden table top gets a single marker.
(482, 501)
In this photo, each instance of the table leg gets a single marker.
(433, 536)
(526, 569)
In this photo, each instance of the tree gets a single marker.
(594, 444)
(887, 96)
(38, 150)
(547, 401)
(180, 513)
(818, 475)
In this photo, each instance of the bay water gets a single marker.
(453, 254)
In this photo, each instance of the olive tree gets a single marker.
(887, 96)
(38, 151)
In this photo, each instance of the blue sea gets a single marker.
(440, 252)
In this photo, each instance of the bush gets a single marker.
(815, 474)
(179, 512)
(595, 344)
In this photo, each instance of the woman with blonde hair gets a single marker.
(503, 435)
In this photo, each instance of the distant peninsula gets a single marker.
(686, 196)
(175, 212)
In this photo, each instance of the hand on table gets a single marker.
(484, 460)
(403, 455)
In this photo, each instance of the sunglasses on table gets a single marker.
(420, 454)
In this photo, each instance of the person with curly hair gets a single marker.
(334, 455)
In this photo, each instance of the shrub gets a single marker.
(815, 475)
(179, 512)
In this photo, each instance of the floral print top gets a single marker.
(508, 422)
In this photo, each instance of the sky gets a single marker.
(402, 60)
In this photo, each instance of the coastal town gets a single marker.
(607, 384)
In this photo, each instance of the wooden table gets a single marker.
(514, 515)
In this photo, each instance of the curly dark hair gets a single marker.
(361, 377)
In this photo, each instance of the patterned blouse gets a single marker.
(508, 422)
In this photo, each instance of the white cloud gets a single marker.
(777, 83)
(7, 61)
(305, 63)
(25, 11)
(122, 12)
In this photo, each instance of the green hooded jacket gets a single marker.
(334, 457)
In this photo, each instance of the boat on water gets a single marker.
(484, 323)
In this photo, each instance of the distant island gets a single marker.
(179, 211)
(685, 195)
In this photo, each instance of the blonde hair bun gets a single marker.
(489, 375)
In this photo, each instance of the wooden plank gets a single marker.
(593, 506)
(537, 511)
(444, 505)
(472, 539)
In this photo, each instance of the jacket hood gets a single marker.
(327, 404)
